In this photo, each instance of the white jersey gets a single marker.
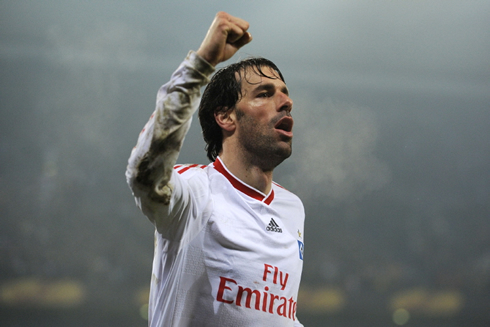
(225, 253)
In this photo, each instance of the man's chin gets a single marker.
(285, 151)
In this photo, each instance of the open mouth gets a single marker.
(285, 125)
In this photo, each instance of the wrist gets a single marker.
(206, 58)
(201, 64)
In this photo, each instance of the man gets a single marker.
(228, 240)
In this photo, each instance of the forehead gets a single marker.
(253, 76)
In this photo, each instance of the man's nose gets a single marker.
(286, 103)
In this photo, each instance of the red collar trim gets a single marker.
(242, 187)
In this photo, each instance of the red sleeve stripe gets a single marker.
(183, 168)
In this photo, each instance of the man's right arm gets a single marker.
(151, 163)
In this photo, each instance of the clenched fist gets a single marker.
(226, 35)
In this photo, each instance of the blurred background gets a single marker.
(391, 155)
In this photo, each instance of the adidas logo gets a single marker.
(274, 227)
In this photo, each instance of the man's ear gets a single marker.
(226, 119)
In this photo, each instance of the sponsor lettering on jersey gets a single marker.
(256, 299)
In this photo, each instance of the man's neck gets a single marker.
(248, 172)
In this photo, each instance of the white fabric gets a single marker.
(225, 254)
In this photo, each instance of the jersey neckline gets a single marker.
(241, 186)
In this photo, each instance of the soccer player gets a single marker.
(228, 240)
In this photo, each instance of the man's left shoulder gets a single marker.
(279, 187)
(283, 192)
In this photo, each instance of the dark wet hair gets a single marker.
(222, 94)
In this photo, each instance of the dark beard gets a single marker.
(263, 149)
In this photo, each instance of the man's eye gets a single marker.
(264, 95)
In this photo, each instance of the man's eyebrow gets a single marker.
(270, 87)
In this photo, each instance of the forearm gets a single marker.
(152, 159)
